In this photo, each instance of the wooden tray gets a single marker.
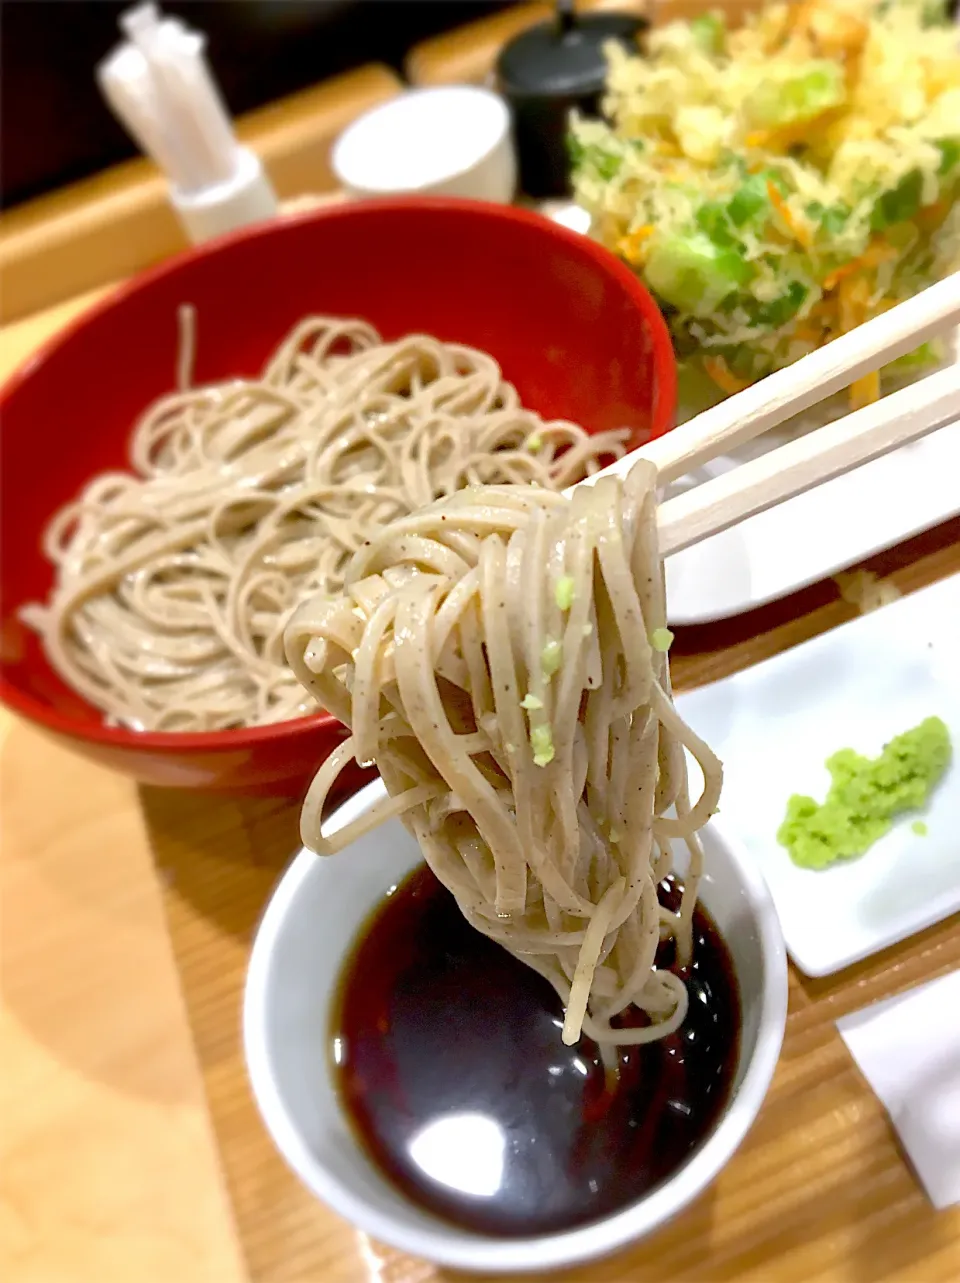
(820, 1189)
(113, 895)
(124, 1102)
(126, 1105)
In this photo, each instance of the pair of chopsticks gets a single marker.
(820, 455)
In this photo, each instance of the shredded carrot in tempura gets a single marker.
(630, 246)
(807, 333)
(800, 233)
(854, 297)
(723, 376)
(931, 216)
(875, 254)
(865, 390)
(833, 32)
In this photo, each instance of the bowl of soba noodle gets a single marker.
(211, 445)
(518, 1001)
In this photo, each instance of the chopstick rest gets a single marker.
(908, 1049)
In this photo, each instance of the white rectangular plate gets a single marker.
(774, 726)
(818, 533)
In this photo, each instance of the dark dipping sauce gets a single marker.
(449, 1061)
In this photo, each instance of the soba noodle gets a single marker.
(499, 656)
(174, 583)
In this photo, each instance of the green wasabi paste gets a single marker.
(865, 796)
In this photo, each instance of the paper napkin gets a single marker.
(908, 1049)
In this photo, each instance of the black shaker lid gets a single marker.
(564, 58)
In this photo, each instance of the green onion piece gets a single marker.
(750, 198)
(949, 149)
(811, 89)
(709, 31)
(661, 639)
(832, 218)
(692, 273)
(531, 702)
(712, 218)
(928, 353)
(919, 828)
(563, 593)
(534, 442)
(605, 164)
(541, 741)
(899, 203)
(782, 309)
(550, 657)
(575, 150)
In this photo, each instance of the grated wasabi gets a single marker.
(550, 657)
(541, 741)
(865, 796)
(563, 593)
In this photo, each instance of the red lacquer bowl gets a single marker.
(572, 327)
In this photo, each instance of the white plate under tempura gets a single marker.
(775, 725)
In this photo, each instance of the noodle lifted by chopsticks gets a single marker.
(493, 656)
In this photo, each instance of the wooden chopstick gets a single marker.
(814, 458)
(789, 391)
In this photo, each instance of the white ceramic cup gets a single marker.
(452, 140)
(309, 927)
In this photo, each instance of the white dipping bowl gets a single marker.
(453, 140)
(310, 926)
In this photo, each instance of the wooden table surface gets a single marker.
(132, 1151)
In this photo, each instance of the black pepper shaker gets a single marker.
(548, 71)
